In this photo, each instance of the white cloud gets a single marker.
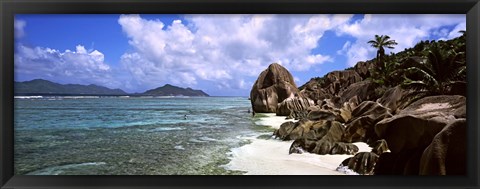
(407, 30)
(456, 31)
(224, 49)
(77, 66)
(19, 26)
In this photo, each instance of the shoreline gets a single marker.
(270, 156)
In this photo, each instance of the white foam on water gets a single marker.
(208, 139)
(27, 97)
(346, 170)
(179, 147)
(56, 170)
(161, 129)
(196, 140)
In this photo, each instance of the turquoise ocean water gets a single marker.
(129, 136)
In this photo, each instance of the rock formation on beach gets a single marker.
(275, 91)
(412, 116)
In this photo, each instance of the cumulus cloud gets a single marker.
(19, 26)
(78, 66)
(407, 30)
(224, 49)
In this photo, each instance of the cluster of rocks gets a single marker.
(426, 137)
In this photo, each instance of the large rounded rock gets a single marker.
(317, 115)
(314, 91)
(364, 118)
(363, 68)
(363, 90)
(362, 163)
(274, 85)
(284, 131)
(438, 106)
(322, 147)
(417, 124)
(412, 130)
(289, 105)
(292, 131)
(408, 132)
(447, 154)
(337, 81)
(312, 130)
(394, 99)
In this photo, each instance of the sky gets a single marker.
(219, 54)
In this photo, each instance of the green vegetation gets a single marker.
(429, 68)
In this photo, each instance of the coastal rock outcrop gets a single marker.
(363, 91)
(311, 130)
(362, 163)
(447, 154)
(394, 99)
(322, 147)
(410, 131)
(364, 118)
(379, 147)
(363, 68)
(337, 81)
(275, 92)
(274, 85)
(332, 109)
(314, 91)
(319, 137)
(417, 124)
(330, 85)
(288, 106)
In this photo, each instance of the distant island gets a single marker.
(170, 90)
(45, 87)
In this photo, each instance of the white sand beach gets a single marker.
(270, 156)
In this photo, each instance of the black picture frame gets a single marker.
(8, 8)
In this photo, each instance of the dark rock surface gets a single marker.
(379, 147)
(337, 81)
(361, 128)
(447, 154)
(322, 147)
(312, 130)
(393, 100)
(413, 129)
(289, 105)
(363, 90)
(362, 163)
(363, 68)
(417, 124)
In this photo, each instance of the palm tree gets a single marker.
(380, 42)
(436, 73)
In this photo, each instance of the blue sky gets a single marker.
(220, 54)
